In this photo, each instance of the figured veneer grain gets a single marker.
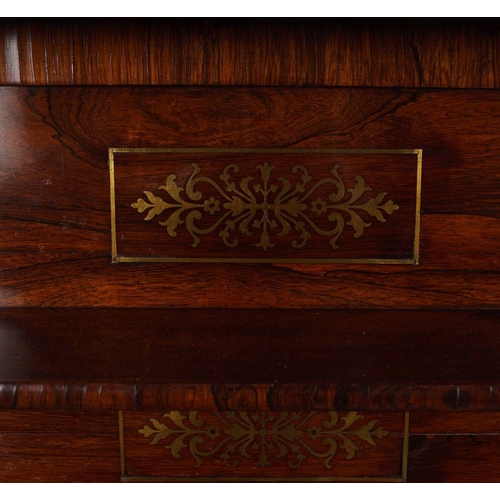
(55, 235)
(451, 447)
(463, 422)
(59, 446)
(62, 458)
(454, 458)
(327, 52)
(55, 245)
(47, 422)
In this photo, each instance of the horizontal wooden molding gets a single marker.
(237, 397)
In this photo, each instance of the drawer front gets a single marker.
(265, 205)
(313, 446)
(253, 197)
(48, 446)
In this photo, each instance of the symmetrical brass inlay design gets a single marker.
(263, 205)
(263, 437)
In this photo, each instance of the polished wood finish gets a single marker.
(454, 447)
(377, 339)
(157, 358)
(323, 52)
(55, 459)
(265, 397)
(279, 205)
(455, 423)
(52, 423)
(263, 445)
(44, 446)
(55, 244)
(48, 446)
(466, 458)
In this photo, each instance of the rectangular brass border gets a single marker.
(406, 439)
(122, 443)
(333, 479)
(115, 258)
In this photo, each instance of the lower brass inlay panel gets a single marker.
(263, 446)
(265, 205)
(263, 436)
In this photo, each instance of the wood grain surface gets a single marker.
(271, 206)
(288, 348)
(463, 422)
(248, 359)
(59, 446)
(55, 243)
(263, 445)
(264, 397)
(317, 52)
(454, 458)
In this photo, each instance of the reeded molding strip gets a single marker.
(274, 397)
(264, 208)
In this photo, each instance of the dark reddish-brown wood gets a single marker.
(68, 458)
(454, 458)
(455, 423)
(293, 191)
(229, 445)
(332, 52)
(454, 447)
(48, 422)
(132, 350)
(55, 240)
(74, 395)
(248, 359)
(59, 446)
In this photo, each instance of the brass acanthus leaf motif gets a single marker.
(263, 436)
(265, 206)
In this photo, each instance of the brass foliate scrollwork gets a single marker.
(264, 206)
(263, 437)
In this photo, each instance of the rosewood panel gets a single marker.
(55, 206)
(55, 446)
(63, 458)
(59, 422)
(312, 445)
(332, 52)
(257, 205)
(273, 381)
(449, 458)
(456, 423)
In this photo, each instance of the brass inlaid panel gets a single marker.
(278, 445)
(238, 435)
(283, 205)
